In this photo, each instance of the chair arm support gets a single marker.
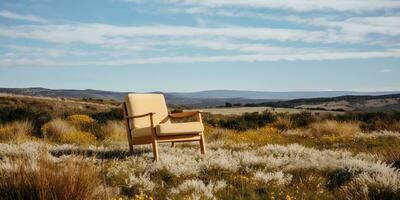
(184, 114)
(139, 116)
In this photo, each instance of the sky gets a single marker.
(194, 45)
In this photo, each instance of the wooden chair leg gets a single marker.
(202, 144)
(130, 144)
(155, 150)
(130, 149)
(173, 144)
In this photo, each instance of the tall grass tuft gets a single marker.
(114, 131)
(55, 129)
(330, 127)
(72, 179)
(15, 131)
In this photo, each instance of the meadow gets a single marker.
(67, 149)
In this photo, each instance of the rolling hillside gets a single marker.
(118, 96)
(214, 94)
(342, 103)
(375, 101)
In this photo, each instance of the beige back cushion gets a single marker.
(139, 104)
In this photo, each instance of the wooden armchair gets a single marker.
(148, 122)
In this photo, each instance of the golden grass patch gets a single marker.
(78, 137)
(15, 131)
(71, 179)
(80, 119)
(334, 128)
(55, 129)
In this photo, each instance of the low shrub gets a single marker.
(115, 114)
(80, 120)
(246, 121)
(38, 118)
(87, 124)
(282, 123)
(301, 120)
(373, 121)
(15, 131)
(367, 187)
(78, 137)
(337, 178)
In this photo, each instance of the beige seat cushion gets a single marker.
(167, 129)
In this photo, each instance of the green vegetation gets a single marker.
(81, 152)
(244, 122)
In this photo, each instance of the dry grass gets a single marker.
(72, 179)
(394, 127)
(16, 131)
(62, 131)
(392, 156)
(282, 123)
(334, 128)
(258, 163)
(55, 129)
(114, 131)
(238, 165)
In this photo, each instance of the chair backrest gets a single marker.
(139, 104)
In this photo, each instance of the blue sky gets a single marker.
(192, 45)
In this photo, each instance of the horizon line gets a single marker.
(207, 90)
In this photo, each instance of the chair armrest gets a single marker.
(139, 116)
(184, 114)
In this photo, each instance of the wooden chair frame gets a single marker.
(154, 139)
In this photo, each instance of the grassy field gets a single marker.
(79, 155)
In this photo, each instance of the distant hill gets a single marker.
(214, 94)
(341, 103)
(312, 100)
(119, 96)
(36, 91)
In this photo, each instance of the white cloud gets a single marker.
(385, 25)
(110, 34)
(247, 44)
(351, 27)
(7, 62)
(297, 5)
(11, 15)
(31, 51)
(243, 47)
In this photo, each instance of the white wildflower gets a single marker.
(383, 133)
(273, 177)
(197, 189)
(142, 182)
